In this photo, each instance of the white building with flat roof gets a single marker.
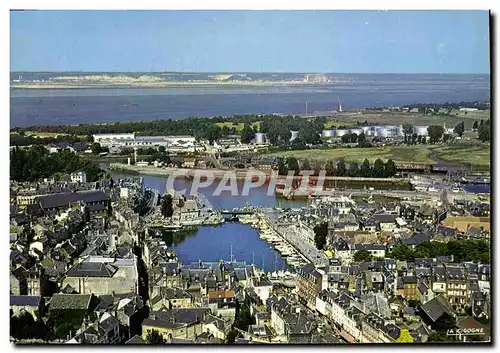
(171, 143)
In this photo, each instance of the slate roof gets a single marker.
(384, 218)
(219, 323)
(368, 247)
(417, 238)
(108, 322)
(70, 302)
(92, 269)
(25, 300)
(175, 318)
(64, 199)
(436, 307)
(409, 280)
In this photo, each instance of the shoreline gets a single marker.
(43, 86)
(241, 174)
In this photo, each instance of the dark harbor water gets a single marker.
(30, 107)
(477, 188)
(213, 243)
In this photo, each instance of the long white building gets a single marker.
(181, 142)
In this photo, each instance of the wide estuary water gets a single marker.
(30, 107)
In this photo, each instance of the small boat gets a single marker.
(370, 200)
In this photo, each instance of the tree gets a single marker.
(459, 129)
(475, 125)
(407, 130)
(353, 169)
(89, 138)
(212, 133)
(414, 138)
(293, 164)
(35, 163)
(365, 170)
(329, 168)
(161, 149)
(154, 337)
(96, 148)
(317, 168)
(306, 165)
(446, 137)
(231, 336)
(282, 170)
(243, 317)
(361, 139)
(390, 168)
(435, 133)
(362, 256)
(378, 168)
(340, 168)
(166, 206)
(401, 253)
(247, 134)
(484, 131)
(320, 234)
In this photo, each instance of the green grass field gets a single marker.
(398, 118)
(44, 134)
(479, 156)
(333, 124)
(418, 154)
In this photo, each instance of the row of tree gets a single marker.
(483, 130)
(462, 250)
(34, 163)
(379, 169)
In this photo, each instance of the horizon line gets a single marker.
(254, 72)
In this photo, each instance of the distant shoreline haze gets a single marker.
(60, 105)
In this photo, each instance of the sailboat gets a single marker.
(370, 200)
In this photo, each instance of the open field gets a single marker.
(397, 154)
(334, 124)
(479, 156)
(399, 118)
(477, 115)
(44, 134)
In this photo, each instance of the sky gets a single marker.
(251, 41)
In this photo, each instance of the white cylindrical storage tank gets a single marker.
(400, 130)
(327, 133)
(341, 132)
(420, 130)
(294, 135)
(366, 129)
(260, 138)
(370, 132)
(356, 131)
(381, 131)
